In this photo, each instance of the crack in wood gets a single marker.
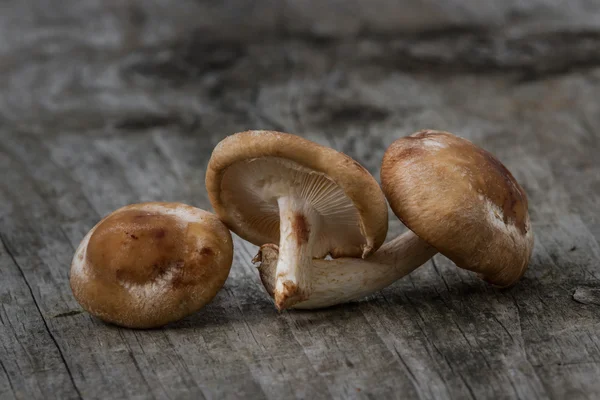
(60, 352)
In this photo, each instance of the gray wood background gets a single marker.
(107, 102)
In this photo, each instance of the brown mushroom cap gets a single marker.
(149, 264)
(248, 171)
(461, 200)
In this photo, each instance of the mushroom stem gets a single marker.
(343, 279)
(298, 227)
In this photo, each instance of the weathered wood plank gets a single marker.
(33, 364)
(105, 104)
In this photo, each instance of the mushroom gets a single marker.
(148, 264)
(455, 198)
(274, 187)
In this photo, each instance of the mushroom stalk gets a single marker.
(299, 224)
(343, 279)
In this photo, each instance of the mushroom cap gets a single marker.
(461, 200)
(148, 264)
(249, 171)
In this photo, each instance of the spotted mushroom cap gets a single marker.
(149, 264)
(462, 201)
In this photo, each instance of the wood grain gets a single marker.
(109, 103)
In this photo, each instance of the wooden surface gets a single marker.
(105, 103)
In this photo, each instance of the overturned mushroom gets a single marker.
(456, 198)
(273, 187)
(149, 264)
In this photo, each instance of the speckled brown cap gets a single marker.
(463, 201)
(249, 170)
(149, 264)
